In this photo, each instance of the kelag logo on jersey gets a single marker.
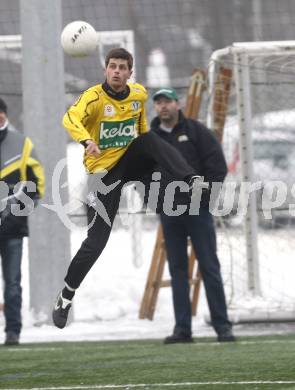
(116, 134)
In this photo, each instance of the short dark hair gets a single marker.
(121, 53)
(3, 106)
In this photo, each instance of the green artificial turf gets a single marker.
(151, 365)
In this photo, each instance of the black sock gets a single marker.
(67, 294)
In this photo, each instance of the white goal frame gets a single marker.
(239, 54)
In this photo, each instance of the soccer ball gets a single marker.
(79, 39)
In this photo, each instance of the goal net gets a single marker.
(258, 137)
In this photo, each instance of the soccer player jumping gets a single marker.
(109, 120)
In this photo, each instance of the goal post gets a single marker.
(260, 123)
(244, 111)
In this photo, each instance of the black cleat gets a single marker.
(61, 311)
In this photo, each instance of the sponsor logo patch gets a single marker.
(116, 134)
(109, 110)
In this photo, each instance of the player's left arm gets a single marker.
(142, 120)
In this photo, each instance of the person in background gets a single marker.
(109, 120)
(19, 166)
(203, 152)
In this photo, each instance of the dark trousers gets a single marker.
(200, 228)
(11, 255)
(143, 155)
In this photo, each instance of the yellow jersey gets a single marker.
(109, 122)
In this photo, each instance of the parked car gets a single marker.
(273, 145)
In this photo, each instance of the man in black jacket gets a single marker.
(203, 152)
(21, 184)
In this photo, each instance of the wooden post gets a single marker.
(195, 92)
(148, 303)
(221, 95)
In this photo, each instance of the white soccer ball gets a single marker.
(79, 39)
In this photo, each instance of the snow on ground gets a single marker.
(107, 303)
(106, 307)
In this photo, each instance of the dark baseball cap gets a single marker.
(169, 93)
(3, 106)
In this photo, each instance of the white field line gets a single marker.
(266, 342)
(38, 349)
(249, 342)
(32, 349)
(149, 385)
(254, 342)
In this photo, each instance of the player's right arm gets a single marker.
(81, 113)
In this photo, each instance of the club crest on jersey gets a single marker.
(109, 110)
(116, 134)
(135, 105)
